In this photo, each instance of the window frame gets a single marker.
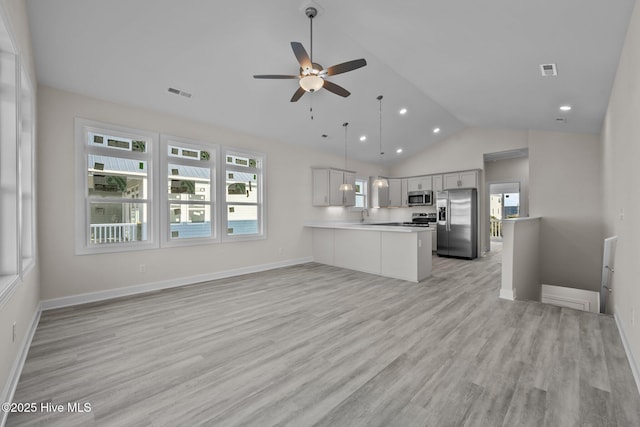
(10, 266)
(364, 194)
(83, 200)
(262, 194)
(165, 202)
(27, 155)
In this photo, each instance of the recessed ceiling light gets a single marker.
(403, 111)
(399, 150)
(436, 130)
(363, 138)
(565, 108)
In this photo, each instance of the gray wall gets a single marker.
(621, 176)
(566, 191)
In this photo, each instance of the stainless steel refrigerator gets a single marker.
(457, 223)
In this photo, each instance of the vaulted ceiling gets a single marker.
(451, 64)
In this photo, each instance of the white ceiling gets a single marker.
(452, 64)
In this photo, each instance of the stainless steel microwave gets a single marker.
(420, 198)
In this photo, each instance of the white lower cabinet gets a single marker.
(399, 255)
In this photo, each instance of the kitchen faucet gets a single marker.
(362, 214)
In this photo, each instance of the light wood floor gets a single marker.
(318, 345)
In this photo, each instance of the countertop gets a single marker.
(368, 226)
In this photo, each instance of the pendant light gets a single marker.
(380, 182)
(345, 186)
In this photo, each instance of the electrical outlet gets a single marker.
(13, 333)
(142, 268)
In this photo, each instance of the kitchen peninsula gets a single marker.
(400, 252)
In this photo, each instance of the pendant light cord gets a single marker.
(345, 124)
(380, 99)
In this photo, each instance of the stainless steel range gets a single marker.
(418, 219)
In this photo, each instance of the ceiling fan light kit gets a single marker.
(311, 83)
(312, 77)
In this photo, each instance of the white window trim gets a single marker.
(214, 164)
(10, 281)
(366, 195)
(27, 264)
(82, 127)
(262, 201)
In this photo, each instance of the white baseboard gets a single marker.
(18, 364)
(507, 294)
(165, 284)
(633, 362)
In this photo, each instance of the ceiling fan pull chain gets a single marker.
(311, 106)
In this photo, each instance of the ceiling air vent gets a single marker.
(548, 70)
(561, 119)
(179, 92)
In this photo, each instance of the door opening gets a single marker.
(504, 203)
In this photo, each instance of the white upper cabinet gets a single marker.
(396, 197)
(465, 179)
(437, 183)
(326, 187)
(419, 183)
(349, 197)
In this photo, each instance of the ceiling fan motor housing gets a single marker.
(311, 12)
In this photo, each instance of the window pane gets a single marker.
(242, 187)
(247, 162)
(359, 201)
(117, 177)
(189, 183)
(118, 222)
(189, 220)
(116, 142)
(242, 219)
(188, 153)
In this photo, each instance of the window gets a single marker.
(136, 190)
(361, 193)
(114, 188)
(9, 137)
(27, 187)
(243, 195)
(189, 209)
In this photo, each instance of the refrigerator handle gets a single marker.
(448, 214)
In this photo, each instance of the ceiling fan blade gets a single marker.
(298, 94)
(346, 66)
(301, 54)
(334, 88)
(274, 76)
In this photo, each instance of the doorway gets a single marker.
(504, 203)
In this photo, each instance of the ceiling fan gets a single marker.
(312, 76)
